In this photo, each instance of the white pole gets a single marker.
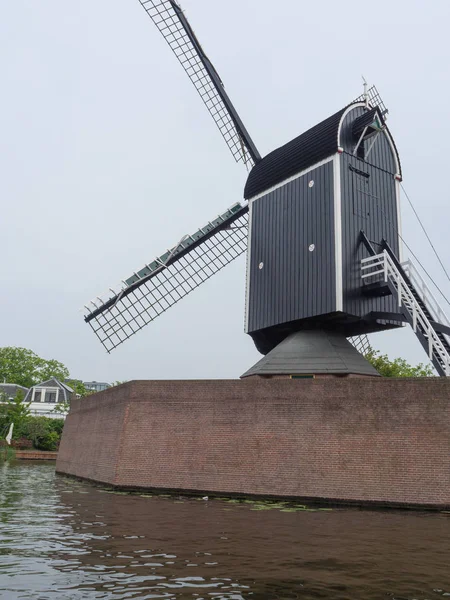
(366, 95)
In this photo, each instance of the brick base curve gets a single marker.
(383, 441)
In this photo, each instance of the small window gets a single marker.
(37, 396)
(302, 376)
(361, 150)
(50, 397)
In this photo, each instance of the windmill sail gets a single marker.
(174, 27)
(143, 296)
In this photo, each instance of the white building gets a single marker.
(96, 386)
(45, 397)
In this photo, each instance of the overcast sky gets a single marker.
(108, 156)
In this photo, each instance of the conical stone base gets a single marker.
(315, 352)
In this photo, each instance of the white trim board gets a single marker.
(247, 271)
(385, 131)
(337, 231)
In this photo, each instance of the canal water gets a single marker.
(63, 539)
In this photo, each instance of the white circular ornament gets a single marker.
(260, 266)
(311, 183)
(311, 247)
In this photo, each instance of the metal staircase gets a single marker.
(425, 317)
(425, 293)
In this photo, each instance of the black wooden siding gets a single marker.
(368, 203)
(294, 282)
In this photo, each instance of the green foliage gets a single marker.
(56, 425)
(79, 388)
(18, 410)
(44, 432)
(52, 368)
(397, 367)
(62, 408)
(4, 419)
(13, 411)
(50, 441)
(7, 453)
(23, 367)
(35, 429)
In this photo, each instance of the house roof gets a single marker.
(12, 388)
(53, 382)
(309, 148)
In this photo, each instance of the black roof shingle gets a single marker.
(309, 148)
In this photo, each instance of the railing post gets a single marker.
(430, 343)
(414, 317)
(385, 266)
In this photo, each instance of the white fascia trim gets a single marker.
(386, 132)
(337, 230)
(345, 113)
(247, 272)
(293, 178)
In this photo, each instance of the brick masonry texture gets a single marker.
(351, 440)
(36, 455)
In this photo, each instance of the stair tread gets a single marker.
(400, 281)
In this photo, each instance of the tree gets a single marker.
(62, 408)
(18, 410)
(14, 411)
(49, 442)
(35, 429)
(23, 367)
(397, 367)
(79, 388)
(52, 368)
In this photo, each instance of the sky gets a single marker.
(108, 157)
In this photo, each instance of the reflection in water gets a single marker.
(63, 539)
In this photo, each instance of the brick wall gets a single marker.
(92, 435)
(36, 455)
(363, 440)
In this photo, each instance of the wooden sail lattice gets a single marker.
(169, 278)
(174, 27)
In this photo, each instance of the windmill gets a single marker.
(321, 227)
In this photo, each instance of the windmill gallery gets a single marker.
(312, 419)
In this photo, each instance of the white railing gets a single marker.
(382, 266)
(430, 301)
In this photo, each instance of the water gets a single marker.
(62, 539)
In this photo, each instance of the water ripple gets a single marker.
(65, 540)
